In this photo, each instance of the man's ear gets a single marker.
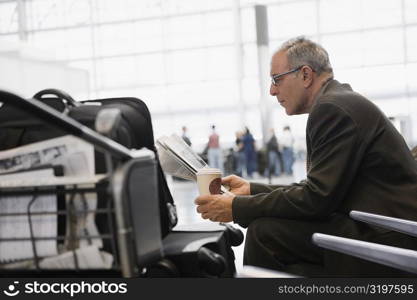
(307, 74)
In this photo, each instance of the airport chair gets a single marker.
(399, 258)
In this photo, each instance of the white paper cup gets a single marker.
(209, 181)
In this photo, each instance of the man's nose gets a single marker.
(273, 90)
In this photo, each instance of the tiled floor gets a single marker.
(185, 192)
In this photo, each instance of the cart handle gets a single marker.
(66, 124)
(68, 100)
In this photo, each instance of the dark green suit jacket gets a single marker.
(357, 161)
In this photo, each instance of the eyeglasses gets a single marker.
(275, 78)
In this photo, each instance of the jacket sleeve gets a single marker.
(258, 188)
(334, 159)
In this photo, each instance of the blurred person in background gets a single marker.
(240, 154)
(356, 160)
(250, 152)
(273, 155)
(214, 152)
(185, 136)
(287, 144)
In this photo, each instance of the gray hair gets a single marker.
(301, 51)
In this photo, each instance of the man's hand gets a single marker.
(238, 185)
(216, 208)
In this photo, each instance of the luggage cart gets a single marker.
(130, 229)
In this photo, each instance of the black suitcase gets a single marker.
(214, 258)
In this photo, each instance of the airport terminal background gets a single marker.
(196, 63)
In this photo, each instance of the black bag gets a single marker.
(19, 128)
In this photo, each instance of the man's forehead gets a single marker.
(278, 62)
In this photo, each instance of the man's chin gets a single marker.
(288, 112)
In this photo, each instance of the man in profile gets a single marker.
(356, 160)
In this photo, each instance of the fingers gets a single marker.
(225, 191)
(228, 179)
(205, 216)
(210, 217)
(203, 203)
(202, 209)
(200, 200)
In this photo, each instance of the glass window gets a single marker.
(219, 93)
(365, 48)
(162, 125)
(53, 41)
(116, 93)
(185, 97)
(8, 17)
(411, 71)
(183, 32)
(292, 19)
(411, 33)
(147, 36)
(7, 38)
(110, 10)
(76, 12)
(145, 29)
(149, 69)
(383, 46)
(114, 39)
(86, 65)
(340, 15)
(201, 95)
(185, 65)
(345, 50)
(83, 47)
(250, 90)
(78, 51)
(248, 24)
(393, 107)
(173, 7)
(274, 45)
(46, 14)
(374, 82)
(410, 11)
(184, 24)
(381, 13)
(218, 28)
(220, 63)
(116, 72)
(181, 41)
(250, 60)
(154, 97)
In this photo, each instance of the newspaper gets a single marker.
(177, 158)
(77, 159)
(73, 153)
